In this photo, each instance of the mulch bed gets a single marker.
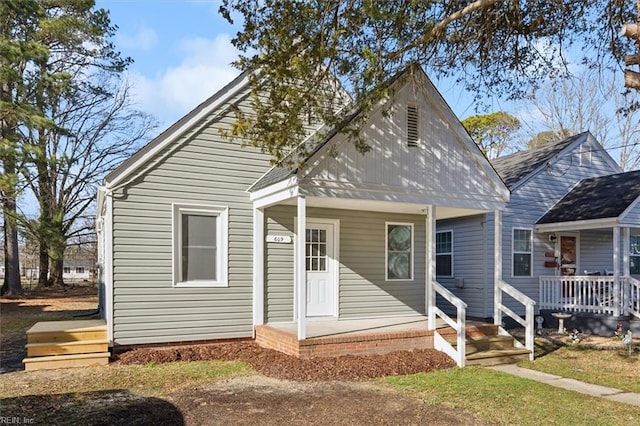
(278, 365)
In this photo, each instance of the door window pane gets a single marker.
(316, 250)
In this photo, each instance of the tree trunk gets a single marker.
(55, 275)
(12, 286)
(43, 265)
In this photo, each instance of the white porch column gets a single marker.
(258, 267)
(300, 269)
(616, 271)
(626, 295)
(497, 265)
(430, 266)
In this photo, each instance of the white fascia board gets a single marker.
(273, 194)
(174, 135)
(577, 225)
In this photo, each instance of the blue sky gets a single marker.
(182, 52)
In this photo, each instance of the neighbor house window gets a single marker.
(444, 253)
(199, 245)
(634, 255)
(413, 135)
(521, 252)
(79, 270)
(399, 251)
(584, 155)
(66, 270)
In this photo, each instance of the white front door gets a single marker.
(320, 265)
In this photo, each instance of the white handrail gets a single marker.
(527, 322)
(441, 344)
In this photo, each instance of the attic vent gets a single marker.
(413, 138)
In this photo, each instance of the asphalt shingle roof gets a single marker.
(515, 167)
(596, 198)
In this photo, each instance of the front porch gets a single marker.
(329, 338)
(594, 294)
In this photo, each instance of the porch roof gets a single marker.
(600, 201)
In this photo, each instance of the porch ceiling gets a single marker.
(442, 212)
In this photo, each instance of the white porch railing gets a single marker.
(528, 320)
(459, 352)
(596, 294)
(633, 295)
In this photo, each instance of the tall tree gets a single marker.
(94, 131)
(298, 49)
(585, 100)
(18, 51)
(492, 132)
(67, 84)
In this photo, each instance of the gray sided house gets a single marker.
(570, 234)
(201, 239)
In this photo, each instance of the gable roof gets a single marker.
(596, 198)
(515, 168)
(279, 173)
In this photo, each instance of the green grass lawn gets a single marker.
(614, 367)
(504, 399)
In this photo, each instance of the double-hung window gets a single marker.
(399, 250)
(444, 253)
(200, 246)
(522, 252)
(634, 255)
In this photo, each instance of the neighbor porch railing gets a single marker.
(595, 294)
(632, 295)
(527, 322)
(440, 343)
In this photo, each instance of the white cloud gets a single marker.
(203, 70)
(144, 39)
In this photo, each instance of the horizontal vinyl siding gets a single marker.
(528, 203)
(470, 262)
(596, 251)
(204, 170)
(363, 291)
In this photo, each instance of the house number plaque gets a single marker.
(280, 239)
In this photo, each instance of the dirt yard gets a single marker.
(286, 390)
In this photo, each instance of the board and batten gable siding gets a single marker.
(363, 291)
(471, 262)
(531, 200)
(204, 170)
(443, 168)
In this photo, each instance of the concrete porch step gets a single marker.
(65, 361)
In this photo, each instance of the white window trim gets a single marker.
(444, 231)
(530, 252)
(222, 255)
(386, 251)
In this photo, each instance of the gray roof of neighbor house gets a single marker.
(596, 198)
(515, 167)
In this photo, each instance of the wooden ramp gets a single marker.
(64, 344)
